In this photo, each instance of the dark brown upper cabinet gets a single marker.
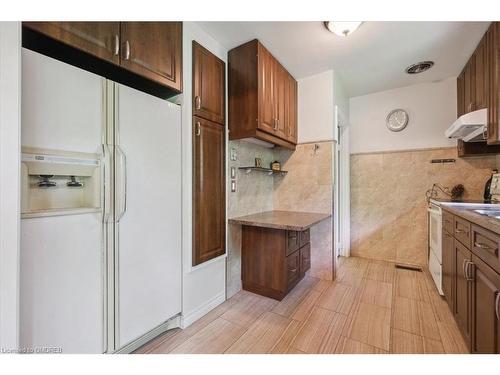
(209, 193)
(477, 88)
(209, 83)
(262, 97)
(153, 50)
(149, 50)
(100, 39)
(209, 145)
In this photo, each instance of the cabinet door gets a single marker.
(480, 76)
(153, 50)
(100, 39)
(292, 269)
(208, 85)
(280, 88)
(462, 290)
(305, 259)
(292, 110)
(485, 309)
(447, 267)
(209, 193)
(266, 73)
(492, 46)
(461, 94)
(469, 86)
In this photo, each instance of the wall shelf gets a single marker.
(269, 171)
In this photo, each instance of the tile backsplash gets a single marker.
(388, 204)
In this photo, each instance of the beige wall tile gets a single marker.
(388, 206)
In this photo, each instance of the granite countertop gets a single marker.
(466, 211)
(285, 220)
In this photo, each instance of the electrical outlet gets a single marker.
(233, 155)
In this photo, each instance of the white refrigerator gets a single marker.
(101, 211)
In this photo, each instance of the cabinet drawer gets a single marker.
(461, 231)
(292, 242)
(292, 269)
(448, 222)
(305, 259)
(485, 245)
(305, 237)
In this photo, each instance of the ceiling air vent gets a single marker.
(419, 67)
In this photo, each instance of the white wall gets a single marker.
(315, 107)
(10, 126)
(204, 286)
(431, 108)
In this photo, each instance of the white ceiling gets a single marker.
(371, 59)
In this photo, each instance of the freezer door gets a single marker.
(61, 264)
(148, 213)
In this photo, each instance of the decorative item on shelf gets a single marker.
(434, 191)
(276, 166)
(457, 192)
(258, 162)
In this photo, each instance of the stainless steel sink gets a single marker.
(489, 213)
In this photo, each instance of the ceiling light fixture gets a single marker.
(419, 67)
(342, 28)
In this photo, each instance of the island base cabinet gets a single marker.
(485, 335)
(271, 261)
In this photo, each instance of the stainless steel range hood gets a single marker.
(470, 127)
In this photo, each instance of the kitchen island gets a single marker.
(275, 250)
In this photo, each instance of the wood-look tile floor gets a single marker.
(372, 308)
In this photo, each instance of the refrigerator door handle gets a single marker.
(122, 183)
(107, 182)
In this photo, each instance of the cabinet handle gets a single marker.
(278, 124)
(482, 246)
(497, 306)
(198, 129)
(127, 50)
(468, 277)
(117, 45)
(293, 270)
(275, 124)
(458, 231)
(197, 102)
(464, 265)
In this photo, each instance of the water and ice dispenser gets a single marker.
(59, 182)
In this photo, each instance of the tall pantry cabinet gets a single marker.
(209, 189)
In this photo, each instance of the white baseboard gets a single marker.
(193, 316)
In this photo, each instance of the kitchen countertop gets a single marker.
(466, 211)
(285, 220)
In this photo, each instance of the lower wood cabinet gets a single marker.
(471, 282)
(485, 308)
(272, 261)
(462, 290)
(209, 192)
(448, 261)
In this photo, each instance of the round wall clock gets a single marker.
(397, 120)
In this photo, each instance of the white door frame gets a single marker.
(10, 140)
(341, 201)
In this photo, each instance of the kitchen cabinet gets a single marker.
(149, 50)
(485, 313)
(474, 279)
(460, 94)
(462, 300)
(262, 97)
(209, 192)
(209, 145)
(448, 261)
(273, 260)
(492, 56)
(100, 39)
(153, 50)
(209, 82)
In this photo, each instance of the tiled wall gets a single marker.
(254, 193)
(388, 205)
(306, 187)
